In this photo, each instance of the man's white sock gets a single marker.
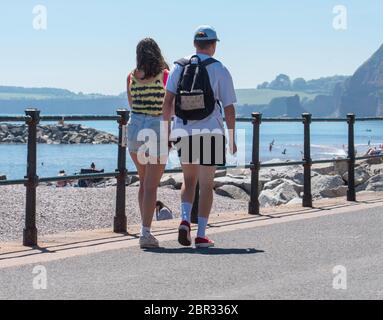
(145, 231)
(202, 224)
(186, 209)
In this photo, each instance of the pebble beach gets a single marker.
(75, 209)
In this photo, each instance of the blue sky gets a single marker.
(89, 46)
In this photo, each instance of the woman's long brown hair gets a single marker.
(150, 59)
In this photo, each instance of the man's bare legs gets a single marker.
(206, 185)
(192, 175)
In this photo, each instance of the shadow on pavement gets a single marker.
(209, 252)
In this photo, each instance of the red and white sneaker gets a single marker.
(184, 237)
(204, 243)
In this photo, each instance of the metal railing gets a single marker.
(32, 118)
(307, 162)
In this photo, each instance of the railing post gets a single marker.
(194, 213)
(307, 196)
(30, 230)
(255, 168)
(120, 220)
(351, 195)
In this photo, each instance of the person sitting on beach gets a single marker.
(146, 91)
(374, 152)
(62, 183)
(163, 212)
(369, 151)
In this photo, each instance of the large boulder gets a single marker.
(373, 161)
(373, 184)
(220, 173)
(276, 183)
(175, 180)
(240, 182)
(328, 186)
(340, 191)
(295, 201)
(232, 192)
(294, 173)
(273, 184)
(376, 169)
(267, 198)
(340, 168)
(361, 175)
(238, 172)
(282, 194)
(323, 169)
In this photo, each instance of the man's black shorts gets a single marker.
(203, 149)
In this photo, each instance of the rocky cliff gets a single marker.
(363, 94)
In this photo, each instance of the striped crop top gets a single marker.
(147, 98)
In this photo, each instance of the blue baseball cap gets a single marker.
(205, 33)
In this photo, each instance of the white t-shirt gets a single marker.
(223, 88)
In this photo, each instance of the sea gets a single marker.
(328, 141)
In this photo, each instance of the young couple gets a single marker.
(198, 91)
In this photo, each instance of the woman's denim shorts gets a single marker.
(147, 134)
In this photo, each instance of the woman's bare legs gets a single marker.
(141, 174)
(153, 175)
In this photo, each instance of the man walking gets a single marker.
(201, 89)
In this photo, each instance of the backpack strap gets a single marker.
(208, 62)
(182, 62)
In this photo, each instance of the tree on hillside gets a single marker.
(299, 84)
(264, 85)
(281, 82)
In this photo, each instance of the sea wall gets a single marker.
(55, 134)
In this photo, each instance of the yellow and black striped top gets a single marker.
(147, 98)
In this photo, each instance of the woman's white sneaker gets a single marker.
(149, 242)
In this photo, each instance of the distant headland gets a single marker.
(335, 96)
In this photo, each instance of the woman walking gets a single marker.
(146, 91)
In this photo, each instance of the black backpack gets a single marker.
(195, 98)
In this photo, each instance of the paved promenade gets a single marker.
(287, 254)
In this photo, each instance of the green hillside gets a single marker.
(264, 96)
(25, 96)
(48, 96)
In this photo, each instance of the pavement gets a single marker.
(289, 253)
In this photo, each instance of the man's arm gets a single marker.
(230, 122)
